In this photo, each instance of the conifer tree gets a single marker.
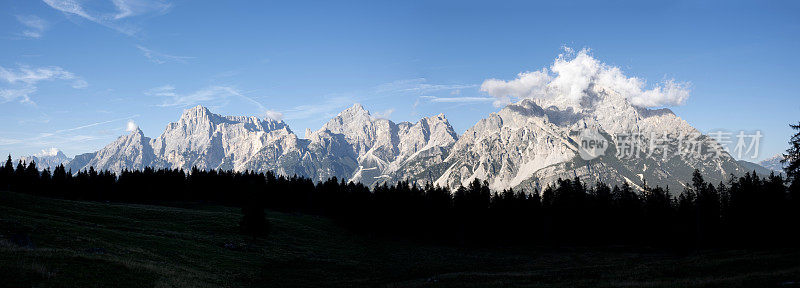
(5, 174)
(791, 159)
(9, 166)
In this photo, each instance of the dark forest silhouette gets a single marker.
(747, 211)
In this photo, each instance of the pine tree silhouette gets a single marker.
(791, 159)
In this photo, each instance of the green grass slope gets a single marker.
(57, 243)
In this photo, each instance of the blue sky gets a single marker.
(75, 73)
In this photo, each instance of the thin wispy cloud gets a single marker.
(435, 99)
(274, 115)
(54, 140)
(419, 85)
(112, 18)
(34, 26)
(333, 104)
(161, 58)
(28, 75)
(216, 95)
(421, 89)
(124, 9)
(92, 125)
(20, 83)
(21, 94)
(324, 109)
(383, 114)
(64, 136)
(70, 7)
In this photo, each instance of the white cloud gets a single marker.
(208, 95)
(130, 126)
(384, 115)
(574, 76)
(34, 26)
(21, 82)
(527, 85)
(52, 151)
(571, 75)
(161, 58)
(274, 115)
(670, 93)
(114, 19)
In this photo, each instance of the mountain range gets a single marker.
(526, 145)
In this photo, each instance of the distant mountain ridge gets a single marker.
(526, 145)
(47, 159)
(773, 163)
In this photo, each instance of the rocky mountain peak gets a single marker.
(196, 112)
(357, 107)
(437, 118)
(356, 111)
(137, 131)
(439, 129)
(356, 124)
(135, 137)
(130, 151)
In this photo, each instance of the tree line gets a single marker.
(747, 211)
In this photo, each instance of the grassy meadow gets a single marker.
(58, 243)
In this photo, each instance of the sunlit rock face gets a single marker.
(526, 145)
(532, 143)
(132, 152)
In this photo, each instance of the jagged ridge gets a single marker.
(524, 146)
